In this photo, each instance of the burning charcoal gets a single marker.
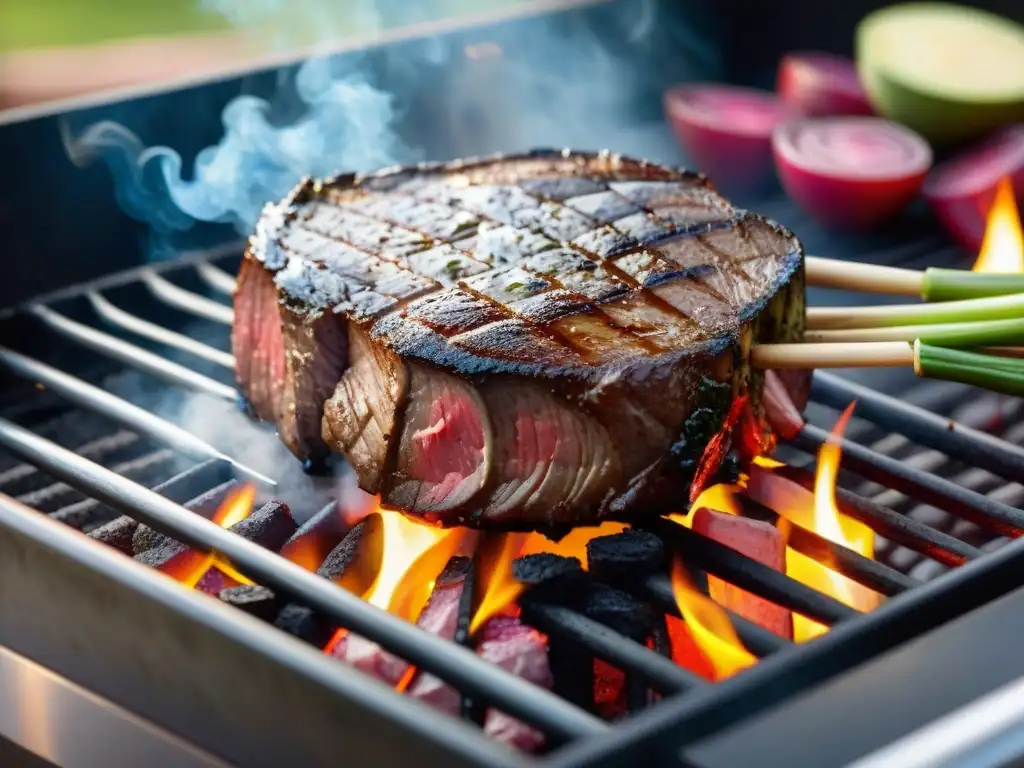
(625, 557)
(269, 526)
(618, 610)
(315, 539)
(305, 624)
(253, 599)
(117, 533)
(552, 578)
(521, 650)
(206, 504)
(759, 541)
(354, 563)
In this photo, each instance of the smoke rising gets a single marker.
(558, 85)
(347, 124)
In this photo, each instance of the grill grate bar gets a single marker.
(178, 297)
(897, 528)
(436, 655)
(957, 441)
(759, 641)
(216, 278)
(748, 574)
(154, 332)
(869, 573)
(901, 476)
(626, 654)
(121, 411)
(132, 355)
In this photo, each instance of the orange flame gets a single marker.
(1002, 249)
(413, 556)
(719, 497)
(709, 626)
(494, 568)
(825, 520)
(236, 507)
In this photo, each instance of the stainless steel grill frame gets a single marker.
(136, 626)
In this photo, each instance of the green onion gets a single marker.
(993, 333)
(958, 284)
(969, 310)
(999, 374)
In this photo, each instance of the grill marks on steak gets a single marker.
(525, 336)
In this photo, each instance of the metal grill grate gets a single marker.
(934, 509)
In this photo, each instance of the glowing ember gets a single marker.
(494, 569)
(709, 626)
(828, 523)
(236, 507)
(1002, 250)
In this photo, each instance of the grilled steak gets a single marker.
(547, 338)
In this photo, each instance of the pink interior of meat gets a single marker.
(448, 450)
(854, 147)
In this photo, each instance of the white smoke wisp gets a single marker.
(347, 124)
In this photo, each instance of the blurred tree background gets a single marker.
(28, 24)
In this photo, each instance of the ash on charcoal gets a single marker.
(552, 578)
(455, 571)
(305, 624)
(618, 610)
(625, 557)
(206, 504)
(253, 599)
(118, 533)
(355, 562)
(326, 524)
(270, 526)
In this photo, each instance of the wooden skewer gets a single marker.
(872, 354)
(870, 278)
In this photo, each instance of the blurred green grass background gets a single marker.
(27, 24)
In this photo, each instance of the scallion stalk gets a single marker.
(998, 374)
(958, 284)
(969, 310)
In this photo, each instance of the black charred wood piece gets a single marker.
(118, 533)
(350, 563)
(270, 526)
(626, 557)
(253, 599)
(205, 504)
(470, 709)
(326, 526)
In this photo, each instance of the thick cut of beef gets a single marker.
(547, 338)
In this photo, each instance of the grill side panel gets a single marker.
(187, 663)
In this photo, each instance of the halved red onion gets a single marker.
(727, 131)
(820, 84)
(850, 172)
(961, 191)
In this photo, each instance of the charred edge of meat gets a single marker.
(706, 419)
(386, 178)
